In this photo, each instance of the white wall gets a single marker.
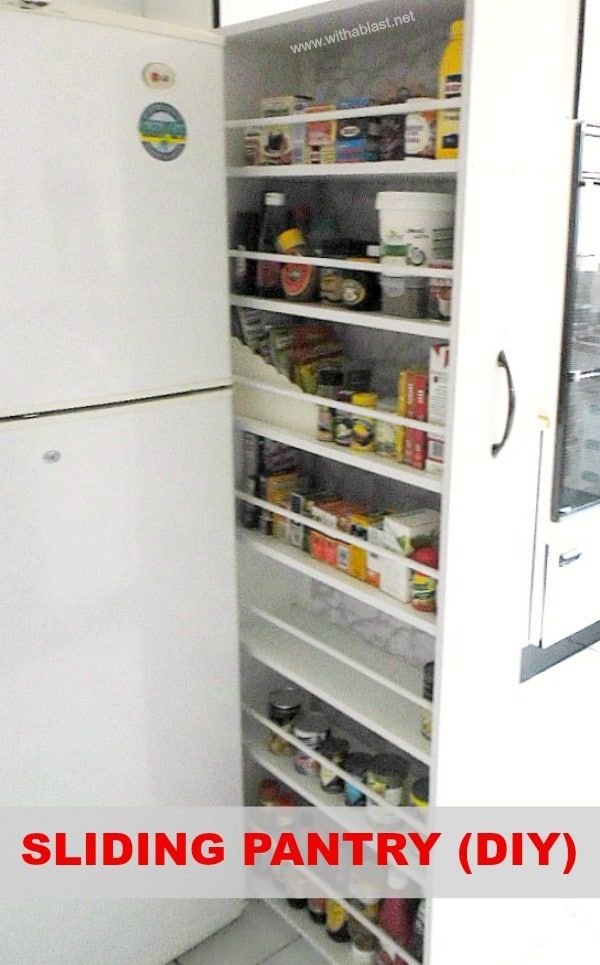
(121, 6)
(191, 13)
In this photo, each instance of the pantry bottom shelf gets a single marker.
(315, 935)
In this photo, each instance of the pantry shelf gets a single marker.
(383, 110)
(309, 787)
(377, 320)
(417, 167)
(301, 562)
(386, 669)
(370, 463)
(315, 935)
(362, 699)
(306, 397)
(348, 264)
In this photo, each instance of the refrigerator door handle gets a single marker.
(502, 362)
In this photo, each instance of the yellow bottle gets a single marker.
(450, 85)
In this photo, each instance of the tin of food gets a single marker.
(363, 429)
(335, 751)
(312, 729)
(356, 766)
(284, 706)
(419, 793)
(387, 777)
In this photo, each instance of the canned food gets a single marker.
(336, 752)
(387, 776)
(363, 429)
(284, 706)
(312, 730)
(357, 766)
(419, 793)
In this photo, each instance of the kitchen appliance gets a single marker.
(119, 668)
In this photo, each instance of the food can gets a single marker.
(284, 706)
(357, 766)
(387, 776)
(419, 793)
(312, 730)
(343, 421)
(363, 429)
(335, 751)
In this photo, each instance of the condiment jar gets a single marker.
(269, 792)
(300, 282)
(360, 289)
(330, 381)
(284, 706)
(317, 909)
(312, 730)
(419, 793)
(337, 922)
(335, 751)
(356, 765)
(343, 421)
(386, 432)
(387, 777)
(363, 941)
(426, 719)
(363, 429)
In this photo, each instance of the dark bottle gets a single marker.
(246, 233)
(268, 275)
(337, 922)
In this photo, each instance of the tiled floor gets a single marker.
(258, 937)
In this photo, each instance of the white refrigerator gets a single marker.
(119, 664)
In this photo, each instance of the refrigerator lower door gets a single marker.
(112, 203)
(119, 659)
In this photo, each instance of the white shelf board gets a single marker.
(379, 110)
(347, 264)
(301, 562)
(423, 328)
(386, 669)
(328, 450)
(377, 414)
(415, 167)
(360, 698)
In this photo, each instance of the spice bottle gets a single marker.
(329, 384)
(363, 429)
(312, 730)
(268, 280)
(337, 922)
(396, 918)
(426, 720)
(284, 706)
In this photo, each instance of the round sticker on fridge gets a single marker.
(159, 76)
(163, 132)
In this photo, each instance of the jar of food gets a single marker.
(300, 282)
(363, 941)
(343, 421)
(440, 294)
(426, 721)
(335, 751)
(360, 289)
(284, 706)
(358, 379)
(386, 432)
(269, 792)
(387, 777)
(317, 909)
(357, 766)
(404, 297)
(363, 429)
(419, 793)
(330, 382)
(312, 730)
(423, 586)
(337, 922)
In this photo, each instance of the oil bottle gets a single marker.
(450, 85)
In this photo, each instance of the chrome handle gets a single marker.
(512, 404)
(571, 556)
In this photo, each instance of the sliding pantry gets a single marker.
(385, 547)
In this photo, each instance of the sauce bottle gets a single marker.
(450, 85)
(396, 918)
(268, 274)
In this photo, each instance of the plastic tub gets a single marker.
(415, 228)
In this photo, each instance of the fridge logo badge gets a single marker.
(163, 132)
(159, 76)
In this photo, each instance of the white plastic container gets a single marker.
(415, 228)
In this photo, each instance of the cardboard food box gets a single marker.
(361, 523)
(376, 538)
(415, 448)
(402, 411)
(357, 137)
(436, 447)
(284, 104)
(278, 488)
(416, 399)
(404, 534)
(321, 136)
(439, 379)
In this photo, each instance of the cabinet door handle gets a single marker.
(571, 556)
(512, 403)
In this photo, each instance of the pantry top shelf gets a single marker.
(381, 110)
(415, 167)
(348, 264)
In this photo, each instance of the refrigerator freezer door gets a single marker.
(119, 663)
(114, 272)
